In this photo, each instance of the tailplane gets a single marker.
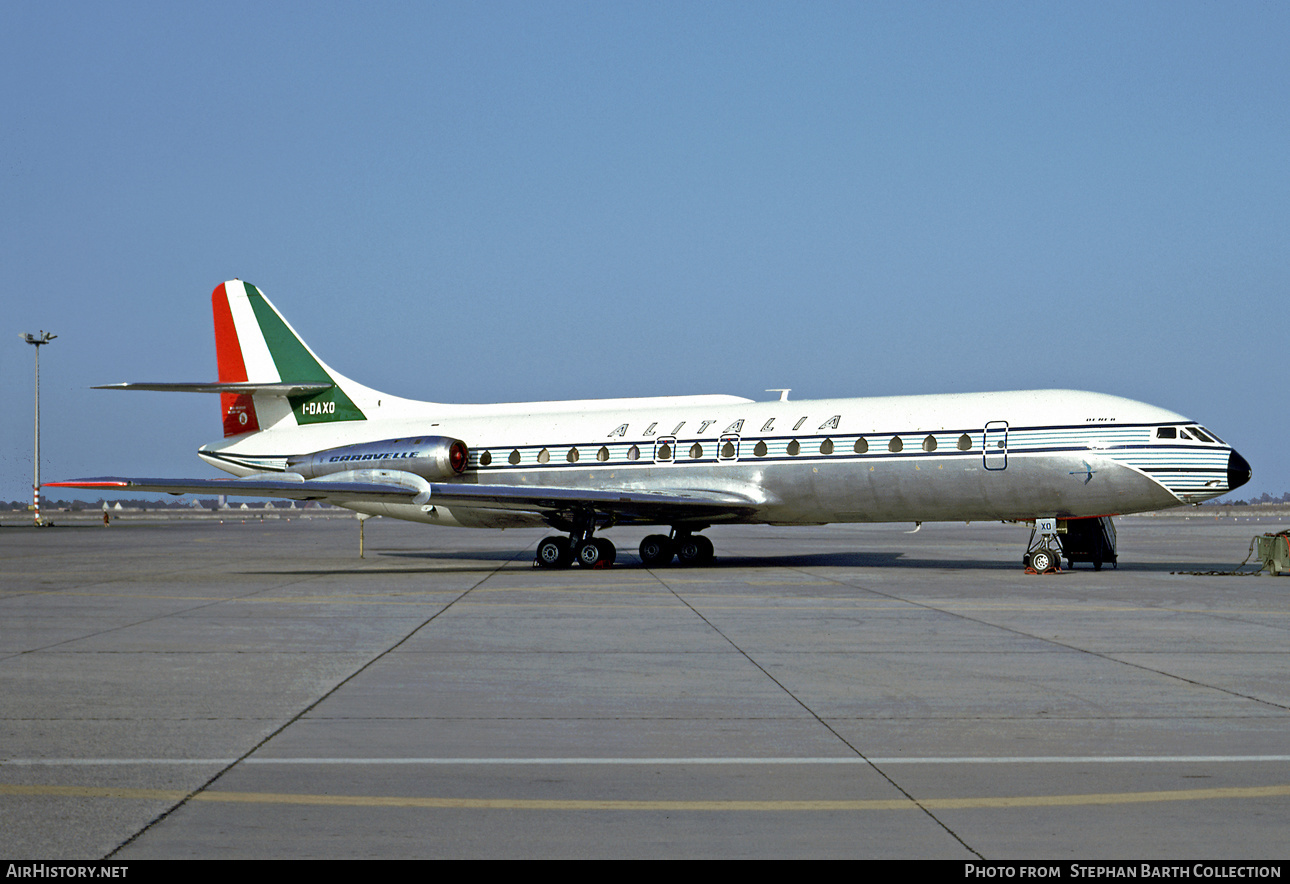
(268, 377)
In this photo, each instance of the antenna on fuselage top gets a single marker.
(783, 393)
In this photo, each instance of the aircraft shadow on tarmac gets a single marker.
(490, 560)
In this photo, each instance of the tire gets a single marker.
(596, 553)
(1041, 560)
(707, 552)
(554, 552)
(656, 551)
(694, 549)
(608, 552)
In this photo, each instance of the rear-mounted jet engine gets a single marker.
(430, 457)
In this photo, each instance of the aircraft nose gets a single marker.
(1238, 471)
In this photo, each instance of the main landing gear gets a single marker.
(561, 552)
(687, 548)
(656, 550)
(580, 546)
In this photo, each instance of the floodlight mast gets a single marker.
(36, 341)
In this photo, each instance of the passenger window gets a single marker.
(862, 446)
(515, 456)
(486, 458)
(826, 447)
(696, 451)
(603, 454)
(929, 444)
(895, 444)
(793, 448)
(760, 449)
(728, 449)
(572, 456)
(633, 453)
(544, 456)
(965, 442)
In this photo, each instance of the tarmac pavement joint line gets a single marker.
(181, 799)
(913, 802)
(1111, 658)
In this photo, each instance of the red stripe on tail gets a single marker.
(238, 409)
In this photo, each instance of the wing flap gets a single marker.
(641, 506)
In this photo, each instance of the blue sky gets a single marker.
(478, 202)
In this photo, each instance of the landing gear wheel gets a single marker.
(608, 552)
(596, 553)
(554, 552)
(657, 550)
(694, 549)
(1041, 560)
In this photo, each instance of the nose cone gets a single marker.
(1238, 471)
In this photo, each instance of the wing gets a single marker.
(393, 486)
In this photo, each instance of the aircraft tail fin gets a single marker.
(254, 345)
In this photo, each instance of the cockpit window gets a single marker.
(1191, 434)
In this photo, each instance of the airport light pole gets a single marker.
(36, 340)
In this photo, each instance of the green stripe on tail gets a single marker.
(296, 364)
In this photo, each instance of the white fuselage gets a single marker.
(1007, 455)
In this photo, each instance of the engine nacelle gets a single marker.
(430, 457)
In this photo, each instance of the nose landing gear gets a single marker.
(1041, 560)
(1043, 554)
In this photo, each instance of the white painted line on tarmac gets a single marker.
(655, 805)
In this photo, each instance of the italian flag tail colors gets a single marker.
(256, 346)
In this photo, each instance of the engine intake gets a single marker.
(430, 457)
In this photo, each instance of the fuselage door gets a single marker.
(996, 445)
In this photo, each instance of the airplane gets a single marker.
(295, 428)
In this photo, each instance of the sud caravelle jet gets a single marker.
(294, 428)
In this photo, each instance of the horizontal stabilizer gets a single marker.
(275, 388)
